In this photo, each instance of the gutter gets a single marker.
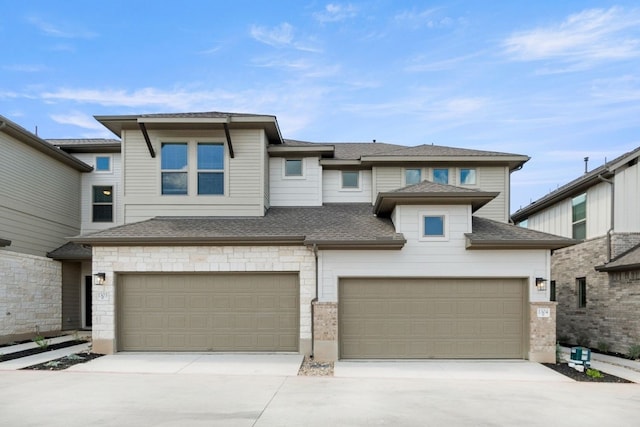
(313, 301)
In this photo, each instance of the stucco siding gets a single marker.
(627, 199)
(40, 199)
(296, 191)
(244, 179)
(332, 191)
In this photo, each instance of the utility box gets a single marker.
(580, 358)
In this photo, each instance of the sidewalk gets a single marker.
(623, 368)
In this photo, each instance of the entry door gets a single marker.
(88, 314)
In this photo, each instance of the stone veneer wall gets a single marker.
(611, 314)
(622, 242)
(542, 333)
(31, 295)
(325, 330)
(125, 259)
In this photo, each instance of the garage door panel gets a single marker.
(213, 312)
(425, 318)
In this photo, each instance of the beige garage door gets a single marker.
(212, 312)
(429, 318)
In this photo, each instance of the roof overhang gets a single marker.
(190, 241)
(513, 162)
(91, 148)
(616, 268)
(293, 151)
(23, 135)
(384, 244)
(386, 202)
(514, 244)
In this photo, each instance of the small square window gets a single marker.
(293, 167)
(434, 226)
(103, 164)
(412, 176)
(441, 176)
(467, 176)
(350, 179)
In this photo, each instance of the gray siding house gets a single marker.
(596, 282)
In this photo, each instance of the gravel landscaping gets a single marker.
(566, 370)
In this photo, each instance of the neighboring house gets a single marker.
(39, 210)
(597, 281)
(235, 239)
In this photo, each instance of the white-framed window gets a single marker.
(102, 203)
(467, 176)
(103, 164)
(433, 226)
(412, 176)
(441, 175)
(195, 168)
(350, 180)
(174, 162)
(579, 216)
(293, 168)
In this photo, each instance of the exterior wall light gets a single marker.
(99, 278)
(541, 284)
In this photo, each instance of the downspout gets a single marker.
(313, 301)
(508, 201)
(613, 199)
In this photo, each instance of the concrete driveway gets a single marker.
(30, 398)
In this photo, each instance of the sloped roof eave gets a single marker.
(386, 202)
(514, 244)
(616, 268)
(187, 241)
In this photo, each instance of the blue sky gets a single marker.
(557, 81)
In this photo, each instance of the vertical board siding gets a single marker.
(598, 210)
(332, 191)
(244, 175)
(627, 200)
(40, 199)
(555, 219)
(304, 191)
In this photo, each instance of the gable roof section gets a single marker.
(71, 251)
(577, 186)
(21, 134)
(204, 120)
(87, 145)
(490, 234)
(627, 261)
(329, 226)
(430, 193)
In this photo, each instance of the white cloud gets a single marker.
(334, 12)
(52, 30)
(79, 119)
(583, 39)
(281, 37)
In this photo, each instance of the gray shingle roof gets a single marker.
(59, 142)
(341, 224)
(71, 251)
(489, 234)
(627, 261)
(432, 187)
(203, 114)
(438, 150)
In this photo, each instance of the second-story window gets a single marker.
(467, 176)
(103, 164)
(579, 217)
(350, 180)
(174, 168)
(412, 176)
(441, 176)
(102, 203)
(210, 168)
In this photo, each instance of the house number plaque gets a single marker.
(544, 312)
(104, 296)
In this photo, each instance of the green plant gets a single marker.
(42, 342)
(634, 351)
(603, 346)
(594, 373)
(74, 357)
(52, 364)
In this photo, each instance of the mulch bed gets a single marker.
(566, 370)
(64, 362)
(38, 350)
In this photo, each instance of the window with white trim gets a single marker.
(103, 164)
(433, 226)
(441, 176)
(412, 176)
(468, 176)
(174, 163)
(210, 168)
(350, 180)
(293, 168)
(579, 216)
(102, 203)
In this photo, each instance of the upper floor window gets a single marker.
(351, 180)
(102, 203)
(210, 168)
(412, 176)
(293, 167)
(441, 176)
(581, 285)
(433, 226)
(524, 223)
(174, 162)
(103, 164)
(579, 216)
(467, 176)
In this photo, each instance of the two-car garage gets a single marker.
(431, 318)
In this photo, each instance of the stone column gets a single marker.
(542, 332)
